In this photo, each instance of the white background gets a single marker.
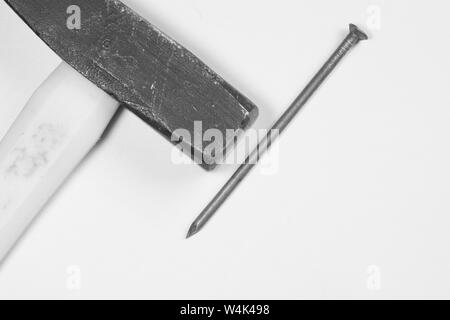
(359, 207)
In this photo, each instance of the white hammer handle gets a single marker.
(60, 124)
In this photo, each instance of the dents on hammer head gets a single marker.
(141, 67)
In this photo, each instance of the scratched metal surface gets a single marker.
(150, 74)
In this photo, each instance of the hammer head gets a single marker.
(149, 73)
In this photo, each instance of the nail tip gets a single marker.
(192, 231)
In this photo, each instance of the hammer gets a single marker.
(112, 57)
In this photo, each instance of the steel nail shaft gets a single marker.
(353, 38)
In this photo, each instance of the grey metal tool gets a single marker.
(352, 39)
(149, 73)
